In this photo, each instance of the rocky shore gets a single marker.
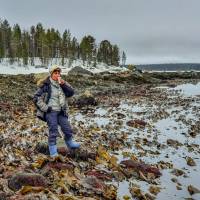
(127, 149)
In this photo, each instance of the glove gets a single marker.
(49, 109)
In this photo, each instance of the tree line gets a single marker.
(17, 44)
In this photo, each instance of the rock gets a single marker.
(178, 187)
(79, 71)
(149, 197)
(120, 115)
(173, 143)
(154, 189)
(93, 183)
(86, 99)
(193, 190)
(144, 168)
(136, 123)
(178, 172)
(137, 193)
(193, 134)
(190, 161)
(3, 196)
(102, 175)
(175, 180)
(28, 179)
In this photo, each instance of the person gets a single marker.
(51, 101)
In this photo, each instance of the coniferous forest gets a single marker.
(46, 44)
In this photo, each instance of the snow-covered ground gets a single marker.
(16, 68)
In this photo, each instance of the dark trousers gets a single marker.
(54, 119)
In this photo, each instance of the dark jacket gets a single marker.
(43, 94)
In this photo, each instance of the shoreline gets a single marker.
(109, 135)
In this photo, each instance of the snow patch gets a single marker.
(18, 68)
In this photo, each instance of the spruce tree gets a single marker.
(17, 42)
(105, 52)
(123, 58)
(115, 55)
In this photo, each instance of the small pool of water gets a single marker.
(188, 89)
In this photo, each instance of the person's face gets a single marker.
(55, 74)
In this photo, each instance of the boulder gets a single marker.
(79, 71)
(26, 179)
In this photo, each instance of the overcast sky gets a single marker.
(148, 31)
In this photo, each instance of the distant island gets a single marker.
(170, 67)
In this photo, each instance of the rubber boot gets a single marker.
(71, 144)
(53, 151)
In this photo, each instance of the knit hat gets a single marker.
(53, 68)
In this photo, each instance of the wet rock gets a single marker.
(120, 115)
(178, 172)
(137, 193)
(58, 166)
(193, 190)
(175, 180)
(31, 179)
(154, 189)
(81, 154)
(144, 168)
(190, 161)
(103, 175)
(136, 123)
(86, 99)
(164, 165)
(174, 143)
(193, 134)
(178, 187)
(149, 197)
(94, 184)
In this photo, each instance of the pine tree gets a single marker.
(25, 47)
(74, 48)
(88, 48)
(105, 52)
(7, 35)
(123, 58)
(2, 35)
(115, 55)
(66, 43)
(39, 35)
(17, 42)
(32, 44)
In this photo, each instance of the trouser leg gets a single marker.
(65, 126)
(52, 122)
(67, 130)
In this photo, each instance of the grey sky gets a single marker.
(147, 30)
